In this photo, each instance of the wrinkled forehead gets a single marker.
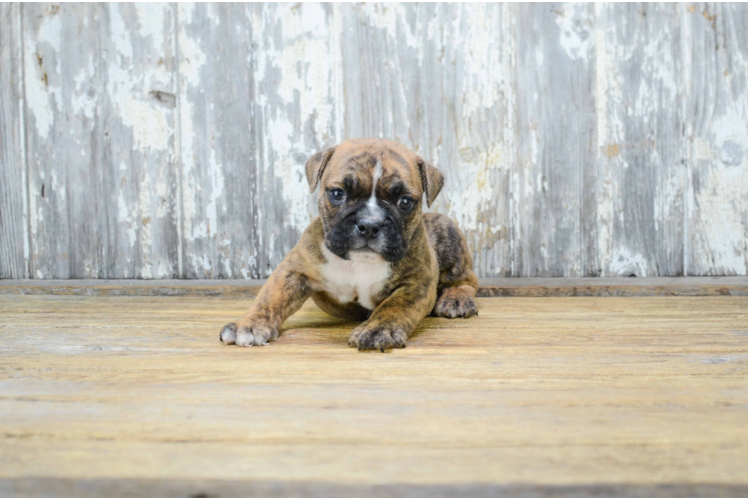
(361, 162)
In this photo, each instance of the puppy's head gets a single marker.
(370, 197)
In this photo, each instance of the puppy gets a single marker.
(370, 255)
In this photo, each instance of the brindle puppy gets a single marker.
(371, 255)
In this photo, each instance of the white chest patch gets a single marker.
(357, 280)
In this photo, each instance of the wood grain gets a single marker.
(399, 60)
(576, 140)
(554, 394)
(217, 141)
(138, 140)
(245, 138)
(717, 129)
(555, 108)
(639, 149)
(200, 488)
(14, 245)
(100, 86)
(63, 100)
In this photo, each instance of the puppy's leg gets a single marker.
(456, 302)
(457, 289)
(395, 318)
(282, 295)
(458, 284)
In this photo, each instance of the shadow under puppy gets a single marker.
(371, 255)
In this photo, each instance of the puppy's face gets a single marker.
(370, 197)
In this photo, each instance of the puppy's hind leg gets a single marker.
(456, 302)
(458, 284)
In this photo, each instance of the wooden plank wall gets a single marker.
(14, 241)
(168, 140)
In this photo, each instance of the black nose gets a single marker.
(368, 228)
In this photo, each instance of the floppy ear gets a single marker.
(316, 165)
(432, 179)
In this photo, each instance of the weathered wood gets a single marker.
(576, 140)
(188, 487)
(63, 97)
(137, 288)
(138, 140)
(640, 156)
(612, 395)
(401, 59)
(489, 287)
(613, 287)
(14, 245)
(100, 99)
(554, 127)
(219, 168)
(717, 130)
(257, 99)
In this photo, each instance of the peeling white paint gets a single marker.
(165, 270)
(624, 263)
(608, 96)
(191, 62)
(186, 13)
(389, 17)
(129, 90)
(126, 219)
(35, 215)
(483, 71)
(206, 263)
(50, 32)
(146, 273)
(574, 25)
(456, 107)
(659, 65)
(302, 69)
(701, 149)
(192, 58)
(668, 202)
(731, 125)
(216, 192)
(472, 189)
(477, 156)
(721, 231)
(38, 88)
(144, 223)
(151, 17)
(290, 172)
(84, 102)
(728, 251)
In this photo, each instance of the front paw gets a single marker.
(377, 336)
(248, 334)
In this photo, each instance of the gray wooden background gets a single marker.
(165, 140)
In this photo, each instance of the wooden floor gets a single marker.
(130, 395)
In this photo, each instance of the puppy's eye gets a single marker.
(337, 195)
(405, 203)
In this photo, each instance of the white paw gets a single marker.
(247, 336)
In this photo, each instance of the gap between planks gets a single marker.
(489, 287)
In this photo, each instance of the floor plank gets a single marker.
(547, 396)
